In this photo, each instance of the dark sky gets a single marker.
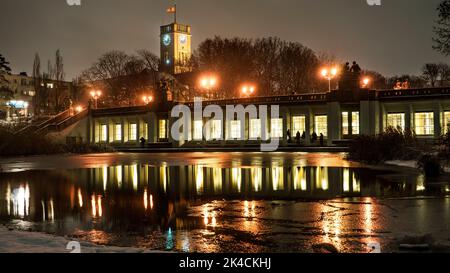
(392, 39)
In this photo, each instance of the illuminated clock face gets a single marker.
(166, 40)
(183, 39)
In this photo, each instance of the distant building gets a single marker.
(16, 96)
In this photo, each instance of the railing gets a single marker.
(418, 92)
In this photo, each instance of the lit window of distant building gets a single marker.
(321, 125)
(298, 124)
(133, 132)
(118, 132)
(255, 129)
(396, 120)
(235, 129)
(276, 128)
(424, 123)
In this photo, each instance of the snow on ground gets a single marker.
(12, 241)
(403, 163)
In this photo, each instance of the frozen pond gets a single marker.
(223, 202)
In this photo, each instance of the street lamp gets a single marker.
(329, 74)
(147, 99)
(365, 82)
(208, 83)
(248, 90)
(96, 94)
(78, 109)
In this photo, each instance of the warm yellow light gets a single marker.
(78, 109)
(98, 93)
(204, 82)
(252, 89)
(324, 72)
(366, 81)
(212, 82)
(334, 71)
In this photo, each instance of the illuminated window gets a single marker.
(320, 125)
(215, 129)
(235, 129)
(162, 132)
(298, 124)
(103, 132)
(255, 129)
(355, 123)
(276, 128)
(345, 124)
(133, 132)
(198, 130)
(424, 123)
(118, 132)
(396, 121)
(446, 121)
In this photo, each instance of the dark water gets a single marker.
(200, 208)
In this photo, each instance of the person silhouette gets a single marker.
(355, 69)
(346, 67)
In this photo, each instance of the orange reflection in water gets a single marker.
(97, 208)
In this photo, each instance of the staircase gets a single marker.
(54, 124)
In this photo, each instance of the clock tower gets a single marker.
(175, 48)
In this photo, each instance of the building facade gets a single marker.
(338, 115)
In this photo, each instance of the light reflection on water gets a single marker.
(155, 206)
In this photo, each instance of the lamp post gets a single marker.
(147, 99)
(248, 90)
(329, 74)
(208, 83)
(365, 82)
(96, 94)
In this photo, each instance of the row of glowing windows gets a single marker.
(423, 122)
(255, 128)
(132, 131)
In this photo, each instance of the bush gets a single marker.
(33, 144)
(389, 145)
(430, 164)
(26, 144)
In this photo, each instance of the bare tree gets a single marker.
(123, 77)
(442, 29)
(430, 72)
(444, 74)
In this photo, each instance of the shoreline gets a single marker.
(18, 241)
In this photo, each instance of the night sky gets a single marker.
(395, 38)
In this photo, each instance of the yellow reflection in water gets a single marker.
(151, 201)
(145, 200)
(299, 178)
(134, 176)
(163, 177)
(94, 206)
(199, 179)
(277, 178)
(52, 211)
(256, 174)
(100, 208)
(97, 208)
(322, 178)
(236, 178)
(217, 180)
(80, 198)
(119, 175)
(346, 179)
(105, 177)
